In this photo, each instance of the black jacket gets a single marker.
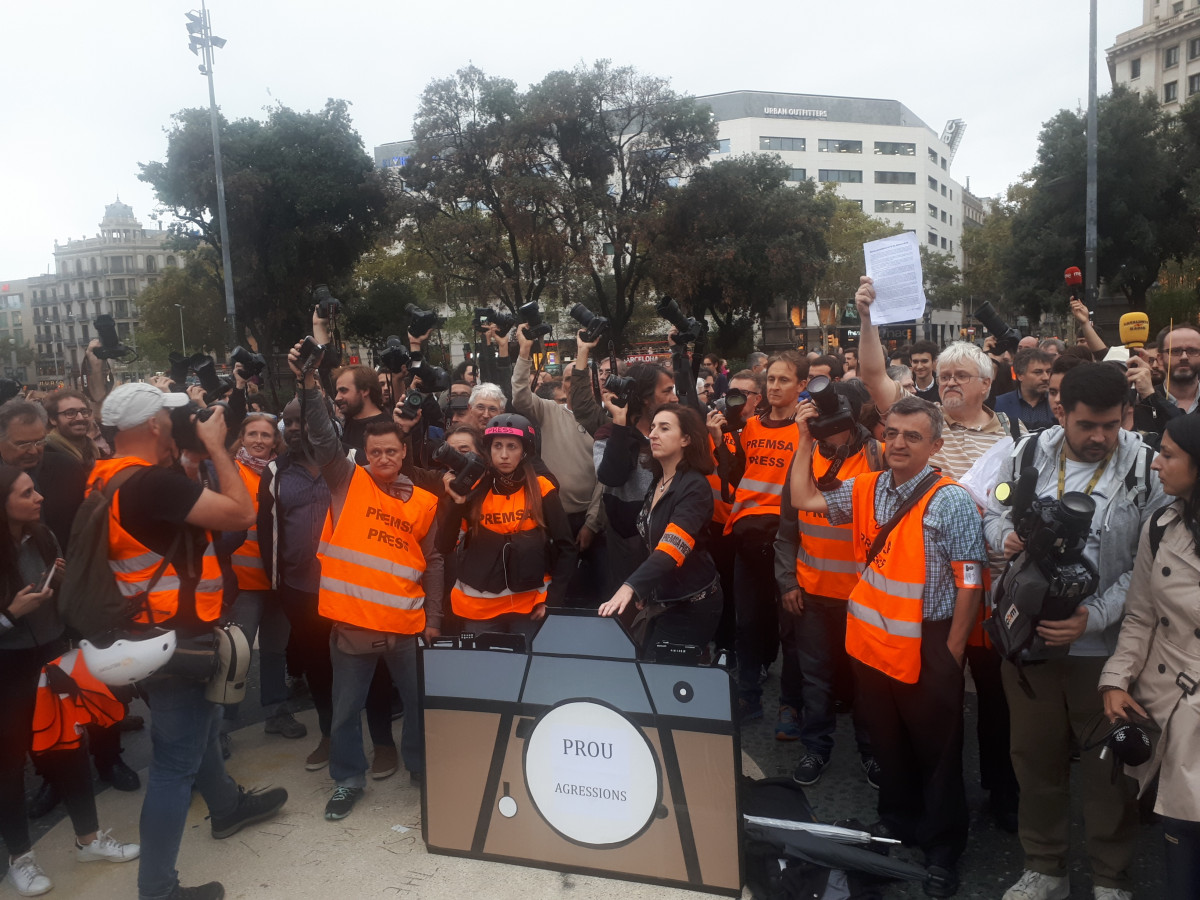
(688, 505)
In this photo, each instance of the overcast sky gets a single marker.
(90, 87)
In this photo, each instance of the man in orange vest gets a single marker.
(381, 584)
(158, 510)
(908, 619)
(816, 569)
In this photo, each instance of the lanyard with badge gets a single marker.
(1091, 485)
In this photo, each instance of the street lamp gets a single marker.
(182, 339)
(200, 37)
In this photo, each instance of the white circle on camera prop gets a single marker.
(592, 774)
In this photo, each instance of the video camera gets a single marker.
(594, 326)
(503, 320)
(836, 414)
(183, 424)
(110, 345)
(467, 468)
(1049, 578)
(421, 321)
(328, 306)
(394, 357)
(252, 363)
(530, 316)
(1007, 337)
(690, 329)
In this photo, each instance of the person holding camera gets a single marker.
(919, 540)
(816, 571)
(158, 513)
(677, 588)
(1054, 695)
(758, 474)
(1151, 676)
(517, 552)
(380, 584)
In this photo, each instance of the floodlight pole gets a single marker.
(1090, 279)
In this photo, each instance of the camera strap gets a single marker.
(1091, 485)
(923, 487)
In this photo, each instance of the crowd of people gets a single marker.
(839, 514)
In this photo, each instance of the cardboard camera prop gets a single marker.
(577, 756)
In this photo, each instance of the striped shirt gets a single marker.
(953, 533)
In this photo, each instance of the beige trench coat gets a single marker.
(1159, 646)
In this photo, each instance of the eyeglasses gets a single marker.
(1193, 352)
(22, 446)
(959, 378)
(80, 413)
(910, 437)
(484, 408)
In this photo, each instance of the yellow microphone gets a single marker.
(1135, 329)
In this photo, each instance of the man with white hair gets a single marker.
(964, 378)
(487, 401)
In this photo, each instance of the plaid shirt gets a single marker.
(953, 533)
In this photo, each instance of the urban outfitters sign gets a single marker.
(793, 113)
(592, 774)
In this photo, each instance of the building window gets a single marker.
(1177, 8)
(1194, 48)
(170, 262)
(933, 156)
(780, 143)
(932, 239)
(1193, 84)
(943, 162)
(933, 184)
(932, 211)
(943, 243)
(1170, 92)
(952, 246)
(1135, 68)
(152, 263)
(943, 215)
(721, 146)
(895, 206)
(895, 148)
(951, 193)
(1171, 57)
(846, 176)
(895, 177)
(943, 190)
(825, 145)
(952, 219)
(122, 309)
(798, 175)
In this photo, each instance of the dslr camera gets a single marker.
(328, 306)
(594, 326)
(252, 363)
(467, 468)
(215, 386)
(310, 354)
(421, 321)
(621, 387)
(835, 416)
(394, 356)
(110, 345)
(530, 316)
(689, 329)
(1007, 337)
(732, 406)
(1049, 578)
(183, 424)
(503, 320)
(434, 379)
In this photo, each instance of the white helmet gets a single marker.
(129, 659)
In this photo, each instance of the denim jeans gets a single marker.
(260, 614)
(821, 640)
(183, 732)
(352, 674)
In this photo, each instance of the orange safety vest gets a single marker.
(59, 715)
(247, 559)
(501, 514)
(769, 452)
(721, 507)
(133, 564)
(884, 615)
(826, 564)
(371, 559)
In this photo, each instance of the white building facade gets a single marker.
(1162, 55)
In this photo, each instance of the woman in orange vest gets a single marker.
(677, 588)
(517, 553)
(31, 634)
(768, 442)
(253, 604)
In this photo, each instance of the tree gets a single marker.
(1140, 197)
(612, 142)
(195, 292)
(736, 237)
(478, 205)
(985, 248)
(304, 201)
(849, 229)
(943, 279)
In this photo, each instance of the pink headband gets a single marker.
(504, 429)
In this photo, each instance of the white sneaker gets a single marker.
(27, 876)
(104, 847)
(1107, 893)
(1036, 886)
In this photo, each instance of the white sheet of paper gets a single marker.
(894, 265)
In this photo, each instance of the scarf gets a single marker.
(252, 462)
